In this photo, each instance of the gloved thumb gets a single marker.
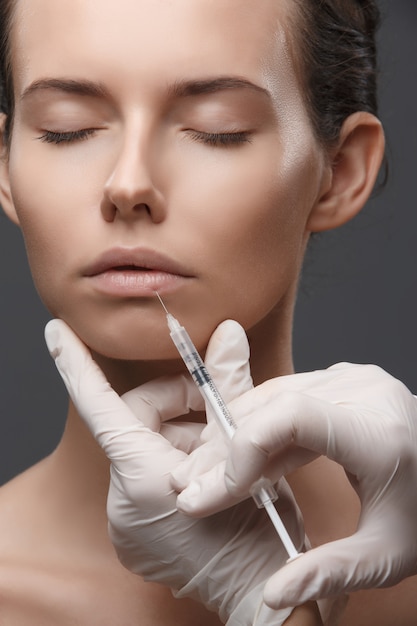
(356, 562)
(85, 382)
(108, 417)
(227, 359)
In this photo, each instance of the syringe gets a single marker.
(262, 491)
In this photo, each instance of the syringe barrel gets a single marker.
(186, 348)
(203, 380)
(263, 491)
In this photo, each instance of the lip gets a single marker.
(135, 272)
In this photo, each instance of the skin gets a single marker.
(146, 175)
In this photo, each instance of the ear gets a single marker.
(6, 200)
(355, 163)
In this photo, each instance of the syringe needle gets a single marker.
(161, 301)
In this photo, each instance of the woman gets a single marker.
(133, 163)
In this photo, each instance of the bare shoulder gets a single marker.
(50, 576)
(26, 584)
(383, 607)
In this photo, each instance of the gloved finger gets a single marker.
(346, 565)
(207, 493)
(281, 463)
(213, 448)
(294, 419)
(164, 398)
(132, 448)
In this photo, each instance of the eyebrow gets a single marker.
(180, 89)
(76, 87)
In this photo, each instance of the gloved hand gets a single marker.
(357, 415)
(223, 560)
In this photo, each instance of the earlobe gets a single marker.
(356, 161)
(6, 200)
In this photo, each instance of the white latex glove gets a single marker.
(223, 560)
(360, 417)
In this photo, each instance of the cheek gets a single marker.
(47, 222)
(254, 231)
(45, 257)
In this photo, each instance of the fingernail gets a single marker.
(52, 339)
(186, 498)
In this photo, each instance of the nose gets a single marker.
(129, 191)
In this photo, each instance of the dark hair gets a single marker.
(336, 39)
(338, 60)
(6, 76)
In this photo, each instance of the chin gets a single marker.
(128, 363)
(140, 348)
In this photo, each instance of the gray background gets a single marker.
(358, 298)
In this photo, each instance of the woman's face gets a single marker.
(160, 145)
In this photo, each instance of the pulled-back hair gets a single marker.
(335, 48)
(6, 76)
(335, 44)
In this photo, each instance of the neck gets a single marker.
(81, 466)
(271, 346)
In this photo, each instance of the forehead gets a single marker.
(161, 37)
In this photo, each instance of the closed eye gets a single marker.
(71, 136)
(221, 139)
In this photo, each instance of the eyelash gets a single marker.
(211, 139)
(55, 137)
(221, 139)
